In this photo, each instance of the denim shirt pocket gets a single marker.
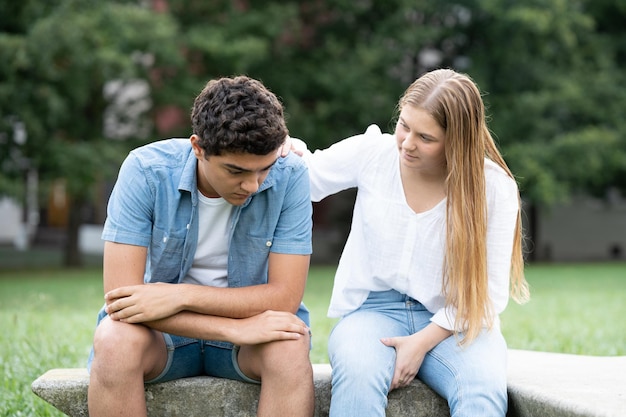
(166, 256)
(248, 261)
(260, 245)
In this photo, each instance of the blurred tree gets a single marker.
(551, 68)
(337, 65)
(58, 59)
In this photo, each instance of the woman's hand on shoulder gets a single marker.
(294, 145)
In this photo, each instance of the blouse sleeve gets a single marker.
(503, 207)
(338, 167)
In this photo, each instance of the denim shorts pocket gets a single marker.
(178, 341)
(219, 344)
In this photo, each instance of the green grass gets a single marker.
(574, 308)
(47, 318)
(316, 298)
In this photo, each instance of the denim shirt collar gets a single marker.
(188, 180)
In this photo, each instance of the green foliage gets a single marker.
(58, 67)
(551, 71)
(550, 68)
(551, 74)
(356, 58)
(58, 64)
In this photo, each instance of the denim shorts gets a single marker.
(188, 357)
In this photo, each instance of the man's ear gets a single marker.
(197, 150)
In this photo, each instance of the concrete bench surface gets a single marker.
(555, 384)
(540, 385)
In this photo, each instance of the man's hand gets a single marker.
(142, 303)
(150, 303)
(266, 327)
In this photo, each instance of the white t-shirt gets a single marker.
(210, 263)
(392, 247)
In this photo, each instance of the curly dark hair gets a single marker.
(238, 115)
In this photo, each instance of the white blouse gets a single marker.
(392, 247)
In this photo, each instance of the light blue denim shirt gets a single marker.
(155, 204)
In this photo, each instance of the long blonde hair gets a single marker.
(455, 102)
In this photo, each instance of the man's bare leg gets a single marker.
(125, 354)
(286, 375)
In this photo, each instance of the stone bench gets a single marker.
(540, 385)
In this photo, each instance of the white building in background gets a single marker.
(10, 221)
(128, 112)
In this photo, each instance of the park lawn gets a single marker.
(574, 308)
(50, 316)
(47, 318)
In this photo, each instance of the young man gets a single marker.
(205, 261)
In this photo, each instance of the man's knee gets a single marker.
(286, 358)
(291, 362)
(116, 343)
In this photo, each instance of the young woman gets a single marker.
(434, 251)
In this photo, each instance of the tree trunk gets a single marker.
(72, 256)
(532, 233)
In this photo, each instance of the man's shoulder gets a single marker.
(288, 173)
(163, 149)
(290, 163)
(165, 145)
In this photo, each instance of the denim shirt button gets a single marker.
(268, 243)
(164, 239)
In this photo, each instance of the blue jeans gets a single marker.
(472, 378)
